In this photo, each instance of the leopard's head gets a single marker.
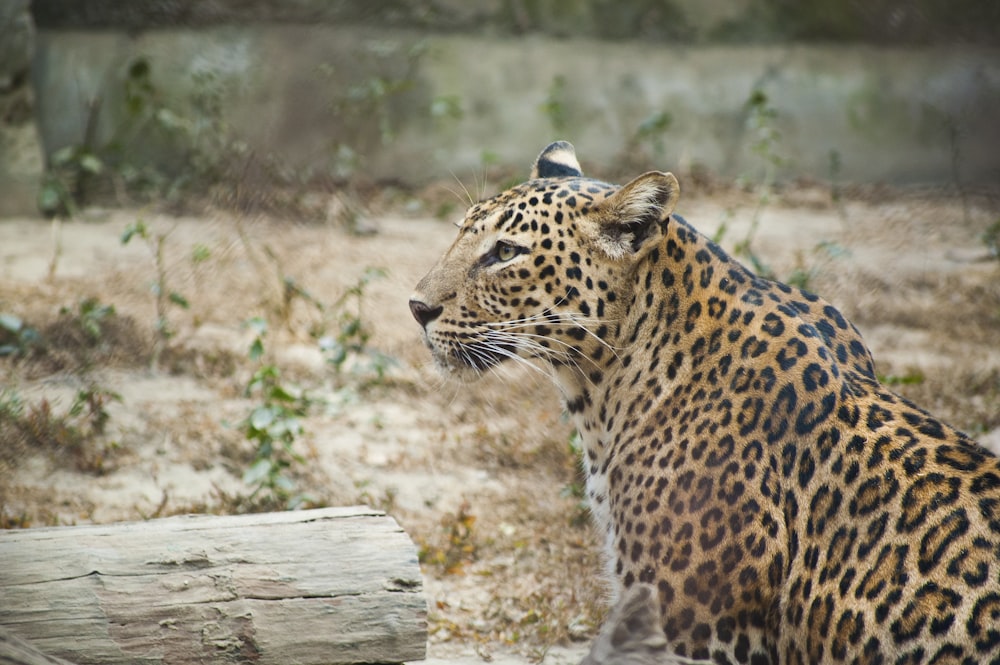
(543, 270)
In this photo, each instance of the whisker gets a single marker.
(563, 317)
(468, 195)
(499, 350)
(486, 181)
(546, 353)
(530, 342)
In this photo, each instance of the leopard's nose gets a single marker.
(423, 312)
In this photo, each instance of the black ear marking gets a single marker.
(557, 160)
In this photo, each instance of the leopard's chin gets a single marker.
(453, 368)
(467, 363)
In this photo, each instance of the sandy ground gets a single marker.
(482, 476)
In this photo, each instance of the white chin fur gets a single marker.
(455, 370)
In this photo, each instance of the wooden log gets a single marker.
(15, 651)
(333, 585)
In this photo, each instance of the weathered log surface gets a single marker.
(15, 651)
(333, 585)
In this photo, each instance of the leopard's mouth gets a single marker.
(468, 361)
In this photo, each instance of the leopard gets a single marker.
(741, 455)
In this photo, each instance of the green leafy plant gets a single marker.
(824, 252)
(200, 253)
(764, 143)
(447, 108)
(190, 128)
(353, 333)
(370, 98)
(15, 336)
(765, 139)
(70, 170)
(63, 185)
(651, 132)
(555, 107)
(366, 104)
(90, 405)
(347, 348)
(488, 158)
(189, 131)
(78, 431)
(912, 377)
(273, 425)
(744, 247)
(836, 195)
(165, 297)
(991, 238)
(91, 315)
(11, 405)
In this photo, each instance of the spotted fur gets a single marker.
(741, 455)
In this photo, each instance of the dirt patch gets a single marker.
(483, 477)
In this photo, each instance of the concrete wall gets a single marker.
(408, 106)
(20, 156)
(886, 22)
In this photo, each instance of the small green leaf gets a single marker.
(657, 123)
(298, 501)
(178, 299)
(911, 378)
(286, 426)
(168, 119)
(139, 68)
(91, 164)
(30, 336)
(833, 250)
(64, 155)
(91, 327)
(10, 322)
(351, 327)
(256, 349)
(338, 354)
(138, 228)
(261, 417)
(49, 197)
(257, 472)
(258, 325)
(200, 253)
(372, 273)
(282, 394)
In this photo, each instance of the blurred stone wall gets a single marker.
(881, 22)
(411, 90)
(20, 156)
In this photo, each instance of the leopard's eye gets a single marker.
(502, 252)
(506, 252)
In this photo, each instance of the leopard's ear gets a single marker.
(558, 160)
(631, 220)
